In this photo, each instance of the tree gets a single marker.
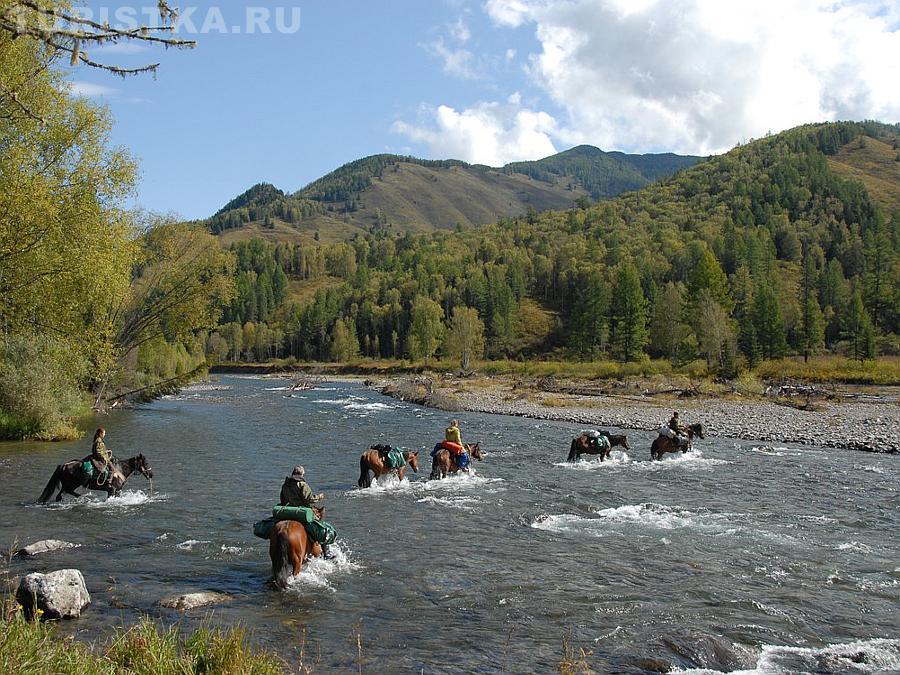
(590, 318)
(768, 324)
(344, 343)
(60, 30)
(628, 315)
(426, 328)
(708, 275)
(858, 329)
(666, 328)
(713, 329)
(812, 324)
(465, 339)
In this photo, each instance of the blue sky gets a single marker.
(481, 80)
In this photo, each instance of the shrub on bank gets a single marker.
(881, 371)
(27, 647)
(39, 392)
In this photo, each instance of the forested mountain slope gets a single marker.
(405, 194)
(753, 254)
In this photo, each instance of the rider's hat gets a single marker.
(298, 473)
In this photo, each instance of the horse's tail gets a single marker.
(363, 481)
(279, 551)
(52, 484)
(573, 451)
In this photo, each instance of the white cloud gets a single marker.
(457, 62)
(90, 90)
(699, 76)
(460, 31)
(487, 133)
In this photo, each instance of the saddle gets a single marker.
(391, 456)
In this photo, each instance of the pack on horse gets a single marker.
(443, 463)
(70, 476)
(372, 464)
(664, 444)
(290, 546)
(588, 445)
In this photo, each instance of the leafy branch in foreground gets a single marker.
(63, 30)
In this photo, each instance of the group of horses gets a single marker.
(586, 445)
(289, 543)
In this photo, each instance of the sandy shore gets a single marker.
(872, 426)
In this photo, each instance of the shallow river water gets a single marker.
(732, 558)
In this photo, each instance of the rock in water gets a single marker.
(187, 601)
(45, 546)
(56, 595)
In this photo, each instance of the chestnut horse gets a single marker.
(584, 445)
(664, 444)
(442, 464)
(290, 546)
(371, 461)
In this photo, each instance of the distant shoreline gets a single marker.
(870, 426)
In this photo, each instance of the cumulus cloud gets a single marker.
(489, 133)
(699, 76)
(456, 61)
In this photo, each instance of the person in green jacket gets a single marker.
(296, 491)
(100, 454)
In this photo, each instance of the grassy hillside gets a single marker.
(405, 194)
(875, 162)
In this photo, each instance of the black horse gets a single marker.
(70, 476)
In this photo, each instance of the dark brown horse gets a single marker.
(70, 476)
(664, 444)
(584, 445)
(443, 464)
(372, 461)
(290, 546)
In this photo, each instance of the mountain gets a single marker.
(790, 243)
(406, 194)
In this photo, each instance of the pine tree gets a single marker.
(812, 323)
(628, 315)
(590, 317)
(708, 275)
(768, 324)
(858, 329)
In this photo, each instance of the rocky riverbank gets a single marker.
(871, 425)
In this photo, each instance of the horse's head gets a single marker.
(319, 512)
(624, 439)
(141, 464)
(412, 458)
(697, 429)
(476, 451)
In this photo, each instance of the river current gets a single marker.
(736, 557)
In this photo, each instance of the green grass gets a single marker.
(145, 649)
(882, 371)
(14, 428)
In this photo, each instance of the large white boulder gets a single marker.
(55, 595)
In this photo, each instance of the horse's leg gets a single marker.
(400, 475)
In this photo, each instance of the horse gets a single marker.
(443, 464)
(371, 460)
(71, 475)
(290, 546)
(664, 444)
(583, 445)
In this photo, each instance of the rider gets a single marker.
(675, 426)
(296, 491)
(454, 445)
(100, 455)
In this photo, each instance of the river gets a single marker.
(735, 557)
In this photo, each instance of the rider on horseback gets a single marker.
(100, 456)
(296, 491)
(675, 425)
(454, 445)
